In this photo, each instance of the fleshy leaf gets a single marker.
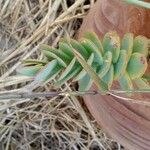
(100, 84)
(51, 55)
(59, 53)
(33, 62)
(68, 69)
(46, 71)
(109, 77)
(120, 66)
(66, 48)
(30, 71)
(111, 42)
(94, 38)
(85, 83)
(53, 74)
(125, 82)
(70, 75)
(76, 45)
(146, 77)
(82, 73)
(127, 43)
(141, 83)
(106, 65)
(137, 65)
(141, 45)
(91, 48)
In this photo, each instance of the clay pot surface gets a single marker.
(108, 15)
(126, 122)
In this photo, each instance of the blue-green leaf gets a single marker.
(33, 62)
(106, 65)
(77, 46)
(91, 48)
(66, 48)
(109, 77)
(141, 45)
(100, 84)
(30, 71)
(82, 73)
(50, 55)
(137, 65)
(67, 69)
(111, 42)
(53, 74)
(94, 38)
(42, 76)
(85, 83)
(120, 66)
(141, 83)
(70, 75)
(127, 43)
(57, 52)
(125, 82)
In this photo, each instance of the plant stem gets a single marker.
(139, 3)
(20, 95)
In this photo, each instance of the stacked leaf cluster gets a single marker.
(112, 59)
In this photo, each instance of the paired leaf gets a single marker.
(51, 56)
(137, 65)
(94, 38)
(57, 52)
(91, 48)
(106, 64)
(31, 62)
(85, 83)
(109, 77)
(127, 43)
(67, 69)
(82, 73)
(125, 82)
(141, 45)
(71, 74)
(53, 74)
(100, 84)
(66, 48)
(46, 71)
(141, 83)
(77, 46)
(111, 42)
(120, 66)
(30, 71)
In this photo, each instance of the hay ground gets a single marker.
(42, 124)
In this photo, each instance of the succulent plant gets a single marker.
(91, 60)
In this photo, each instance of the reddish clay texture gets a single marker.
(126, 122)
(107, 15)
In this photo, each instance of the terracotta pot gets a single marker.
(109, 15)
(126, 122)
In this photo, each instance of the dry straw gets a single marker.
(44, 123)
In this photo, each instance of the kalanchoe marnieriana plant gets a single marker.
(111, 59)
